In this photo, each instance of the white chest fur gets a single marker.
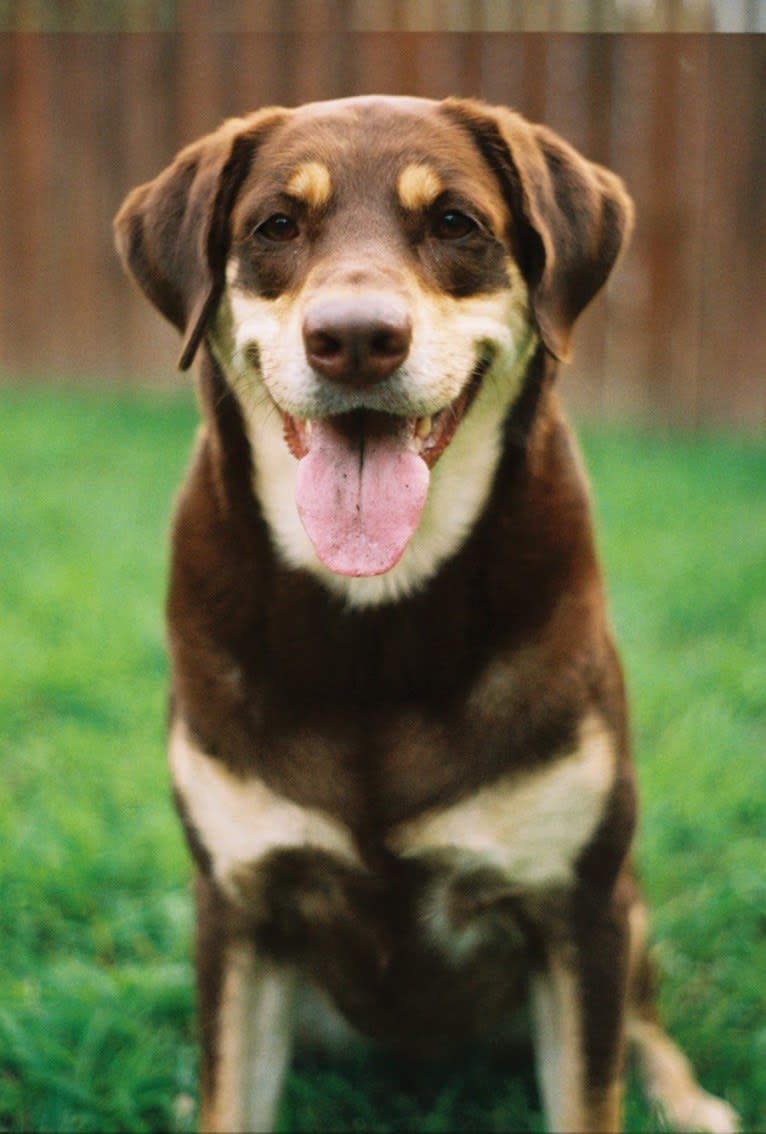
(240, 820)
(531, 826)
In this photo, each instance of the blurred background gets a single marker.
(96, 1002)
(98, 96)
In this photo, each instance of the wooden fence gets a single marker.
(679, 337)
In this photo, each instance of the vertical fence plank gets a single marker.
(150, 134)
(82, 323)
(681, 183)
(255, 67)
(579, 95)
(630, 327)
(313, 50)
(7, 213)
(28, 182)
(536, 48)
(733, 334)
(670, 214)
(503, 63)
(198, 77)
(379, 64)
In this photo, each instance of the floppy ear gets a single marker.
(173, 232)
(572, 216)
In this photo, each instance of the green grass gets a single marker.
(96, 1001)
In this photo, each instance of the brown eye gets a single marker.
(452, 225)
(279, 229)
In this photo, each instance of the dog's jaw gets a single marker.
(363, 479)
(427, 434)
(459, 418)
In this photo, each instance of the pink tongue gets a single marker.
(360, 509)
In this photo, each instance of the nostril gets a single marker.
(322, 345)
(390, 343)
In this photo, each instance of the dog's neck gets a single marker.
(530, 552)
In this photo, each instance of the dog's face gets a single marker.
(369, 266)
(371, 297)
(373, 275)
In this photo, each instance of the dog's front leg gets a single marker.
(578, 1004)
(246, 1016)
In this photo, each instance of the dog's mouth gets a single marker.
(363, 479)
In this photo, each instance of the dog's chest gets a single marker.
(527, 826)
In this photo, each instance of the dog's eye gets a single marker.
(452, 225)
(279, 228)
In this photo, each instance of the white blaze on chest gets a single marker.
(531, 826)
(239, 819)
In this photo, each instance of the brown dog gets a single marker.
(398, 740)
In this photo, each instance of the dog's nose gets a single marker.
(356, 340)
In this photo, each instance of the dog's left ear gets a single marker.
(571, 216)
(173, 232)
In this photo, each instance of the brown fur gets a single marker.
(377, 716)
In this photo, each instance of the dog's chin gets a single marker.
(363, 479)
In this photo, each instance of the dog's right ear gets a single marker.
(172, 233)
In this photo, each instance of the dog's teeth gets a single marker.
(306, 426)
(423, 427)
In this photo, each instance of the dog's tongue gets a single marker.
(360, 493)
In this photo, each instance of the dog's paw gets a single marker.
(701, 1113)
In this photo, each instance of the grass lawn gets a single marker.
(96, 1013)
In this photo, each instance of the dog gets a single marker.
(398, 736)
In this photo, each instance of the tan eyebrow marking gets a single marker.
(311, 182)
(418, 186)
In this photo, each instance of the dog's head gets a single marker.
(369, 273)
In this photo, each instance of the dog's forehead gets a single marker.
(369, 145)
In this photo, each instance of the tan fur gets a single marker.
(242, 820)
(418, 186)
(530, 826)
(557, 1029)
(311, 182)
(671, 1085)
(254, 1042)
